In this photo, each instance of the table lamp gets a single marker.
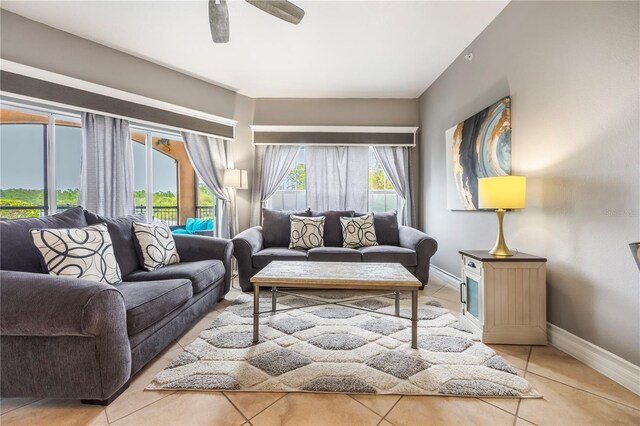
(501, 193)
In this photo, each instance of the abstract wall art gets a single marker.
(480, 146)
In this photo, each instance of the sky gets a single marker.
(21, 160)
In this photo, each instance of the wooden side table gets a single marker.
(504, 299)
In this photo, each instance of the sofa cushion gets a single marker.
(334, 254)
(17, 252)
(147, 302)
(332, 227)
(389, 254)
(276, 226)
(265, 256)
(201, 274)
(387, 229)
(122, 238)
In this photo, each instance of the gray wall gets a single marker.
(572, 70)
(337, 112)
(32, 43)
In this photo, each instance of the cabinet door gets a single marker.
(472, 293)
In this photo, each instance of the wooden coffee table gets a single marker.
(336, 275)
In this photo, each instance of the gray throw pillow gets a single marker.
(85, 253)
(306, 232)
(155, 245)
(387, 229)
(332, 227)
(276, 226)
(358, 231)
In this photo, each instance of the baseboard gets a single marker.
(601, 360)
(450, 279)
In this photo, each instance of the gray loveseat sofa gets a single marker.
(256, 247)
(71, 338)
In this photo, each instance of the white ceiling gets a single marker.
(341, 49)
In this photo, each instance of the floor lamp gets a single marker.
(235, 179)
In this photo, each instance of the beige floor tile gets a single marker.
(564, 405)
(251, 403)
(187, 408)
(550, 362)
(9, 404)
(135, 397)
(434, 410)
(385, 423)
(453, 307)
(316, 409)
(516, 355)
(507, 404)
(432, 287)
(523, 422)
(380, 404)
(56, 412)
(448, 293)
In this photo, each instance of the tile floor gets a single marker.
(574, 394)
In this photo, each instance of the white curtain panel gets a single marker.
(396, 164)
(272, 164)
(106, 176)
(210, 157)
(337, 177)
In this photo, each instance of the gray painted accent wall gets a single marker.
(572, 70)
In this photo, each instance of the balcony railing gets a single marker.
(204, 212)
(379, 200)
(17, 212)
(166, 214)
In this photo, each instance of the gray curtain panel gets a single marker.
(397, 165)
(272, 166)
(210, 157)
(106, 176)
(337, 177)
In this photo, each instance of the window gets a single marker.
(382, 196)
(205, 201)
(27, 166)
(292, 193)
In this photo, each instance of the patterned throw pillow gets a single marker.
(155, 245)
(358, 231)
(85, 253)
(307, 232)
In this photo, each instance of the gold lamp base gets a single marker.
(500, 249)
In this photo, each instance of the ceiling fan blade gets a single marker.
(219, 21)
(282, 9)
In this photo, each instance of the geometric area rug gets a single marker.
(339, 349)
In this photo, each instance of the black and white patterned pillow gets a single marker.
(358, 231)
(85, 253)
(155, 245)
(307, 232)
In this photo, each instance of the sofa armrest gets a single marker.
(47, 305)
(245, 245)
(62, 337)
(192, 248)
(425, 248)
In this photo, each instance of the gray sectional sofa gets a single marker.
(256, 247)
(71, 338)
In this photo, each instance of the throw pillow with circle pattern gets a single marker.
(155, 245)
(358, 231)
(306, 232)
(85, 253)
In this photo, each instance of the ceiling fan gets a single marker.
(219, 15)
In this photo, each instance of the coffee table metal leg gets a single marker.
(397, 303)
(256, 312)
(274, 290)
(414, 319)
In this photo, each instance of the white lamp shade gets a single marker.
(235, 178)
(502, 192)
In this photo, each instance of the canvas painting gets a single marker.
(480, 146)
